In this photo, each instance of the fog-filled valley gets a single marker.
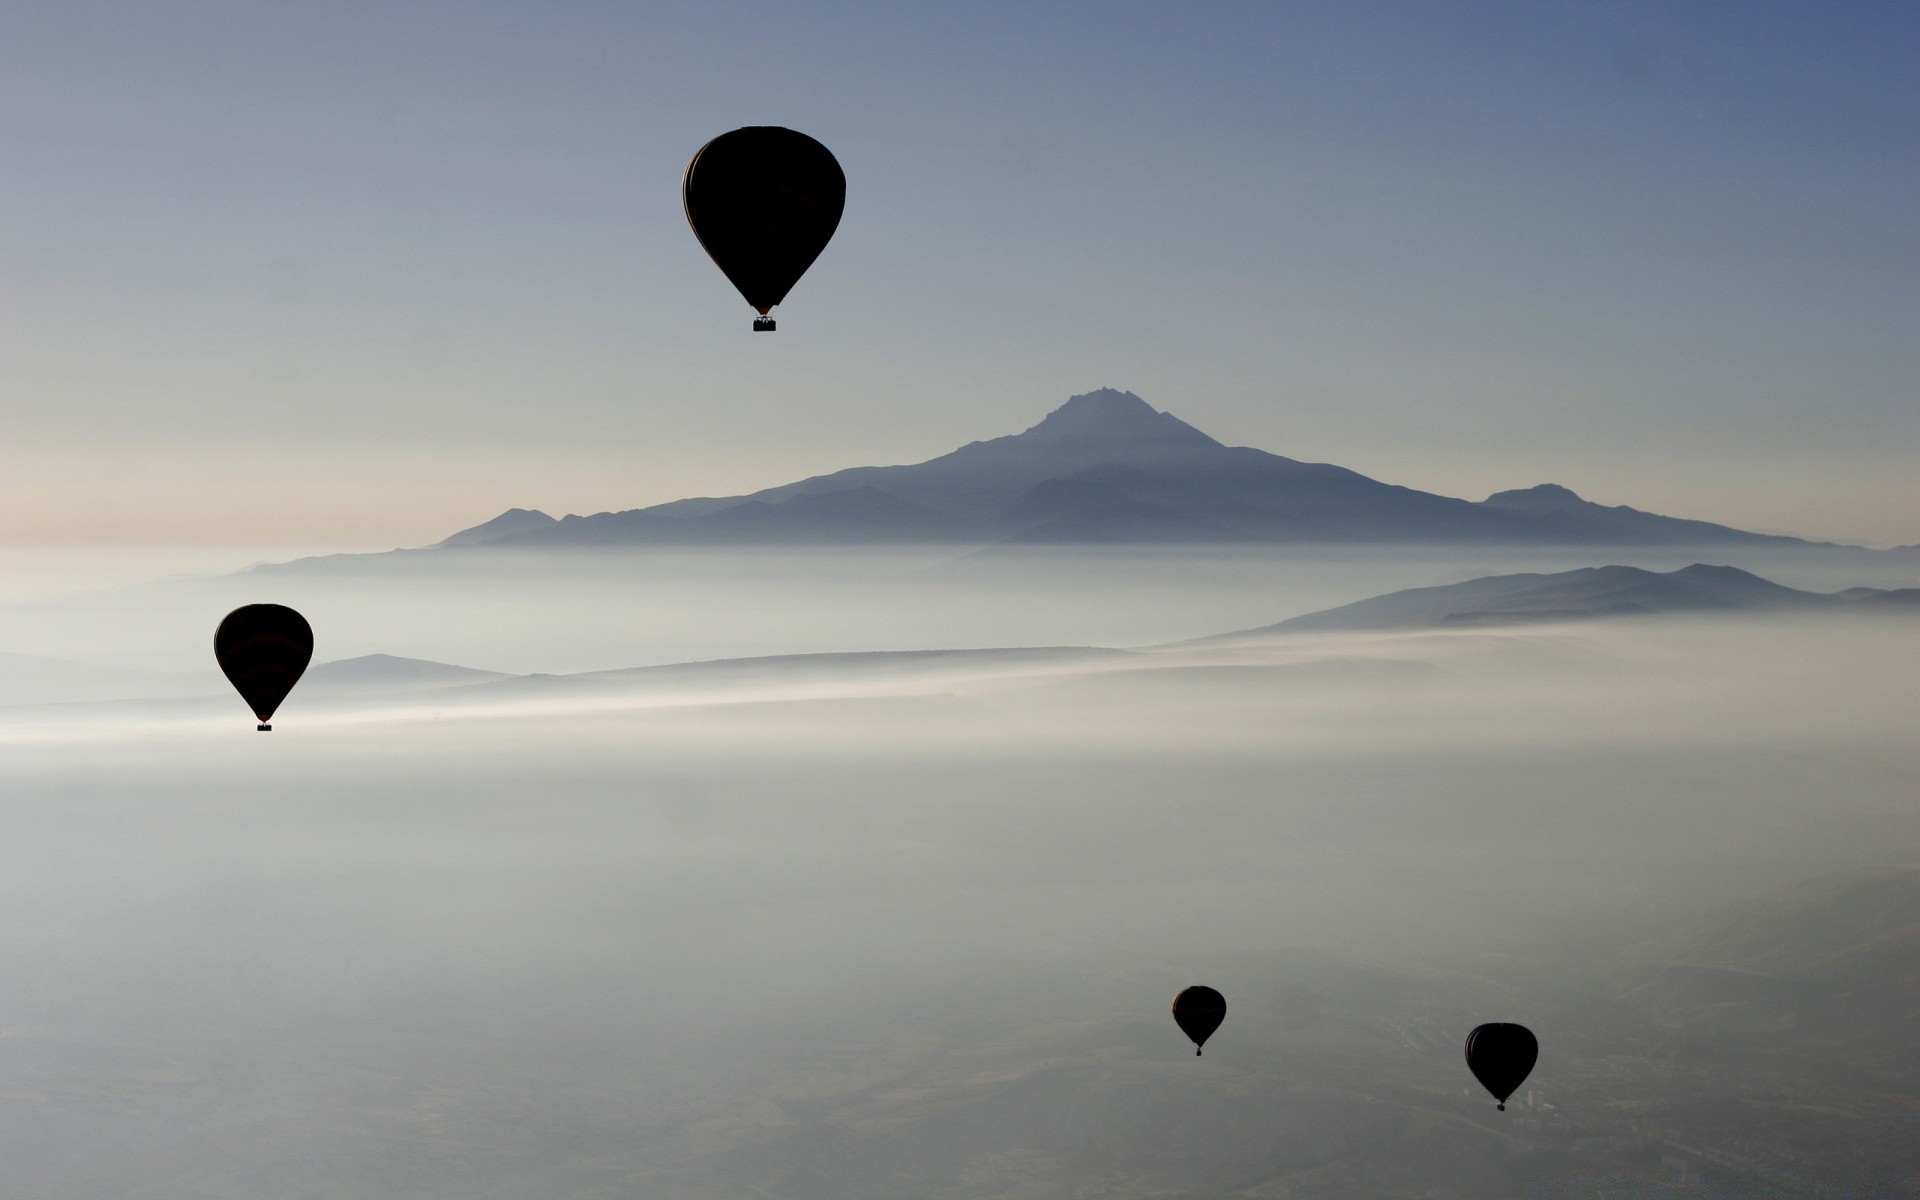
(841, 924)
(602, 610)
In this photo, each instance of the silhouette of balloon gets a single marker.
(1501, 1056)
(263, 649)
(764, 201)
(1199, 1010)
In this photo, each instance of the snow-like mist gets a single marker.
(896, 925)
(588, 610)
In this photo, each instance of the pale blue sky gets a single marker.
(360, 274)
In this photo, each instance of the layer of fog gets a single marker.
(609, 937)
(606, 610)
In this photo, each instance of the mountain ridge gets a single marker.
(1106, 467)
(1582, 594)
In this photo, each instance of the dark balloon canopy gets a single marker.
(764, 201)
(1199, 1010)
(1501, 1056)
(263, 649)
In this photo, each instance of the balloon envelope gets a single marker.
(1199, 1010)
(263, 649)
(1501, 1056)
(764, 201)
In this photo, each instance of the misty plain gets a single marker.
(871, 924)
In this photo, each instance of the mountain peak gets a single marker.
(1540, 498)
(508, 523)
(1106, 400)
(1107, 415)
(1107, 466)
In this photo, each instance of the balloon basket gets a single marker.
(763, 324)
(263, 727)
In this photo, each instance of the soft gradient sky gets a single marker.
(358, 275)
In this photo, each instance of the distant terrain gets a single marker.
(906, 923)
(1106, 468)
(1588, 593)
(1832, 963)
(1337, 1077)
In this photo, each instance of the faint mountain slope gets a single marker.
(1835, 959)
(1090, 511)
(1585, 593)
(788, 671)
(953, 494)
(343, 684)
(49, 690)
(851, 515)
(27, 679)
(1243, 495)
(1878, 598)
(1571, 518)
(511, 522)
(1105, 467)
(384, 672)
(982, 478)
(871, 662)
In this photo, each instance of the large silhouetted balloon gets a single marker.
(1199, 1011)
(264, 649)
(1501, 1056)
(764, 201)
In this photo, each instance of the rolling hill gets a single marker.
(1587, 593)
(1834, 960)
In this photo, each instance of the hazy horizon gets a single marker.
(382, 528)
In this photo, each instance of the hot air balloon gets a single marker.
(1199, 1010)
(764, 201)
(263, 649)
(1501, 1056)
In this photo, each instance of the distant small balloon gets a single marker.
(263, 650)
(1198, 1011)
(764, 201)
(1501, 1056)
